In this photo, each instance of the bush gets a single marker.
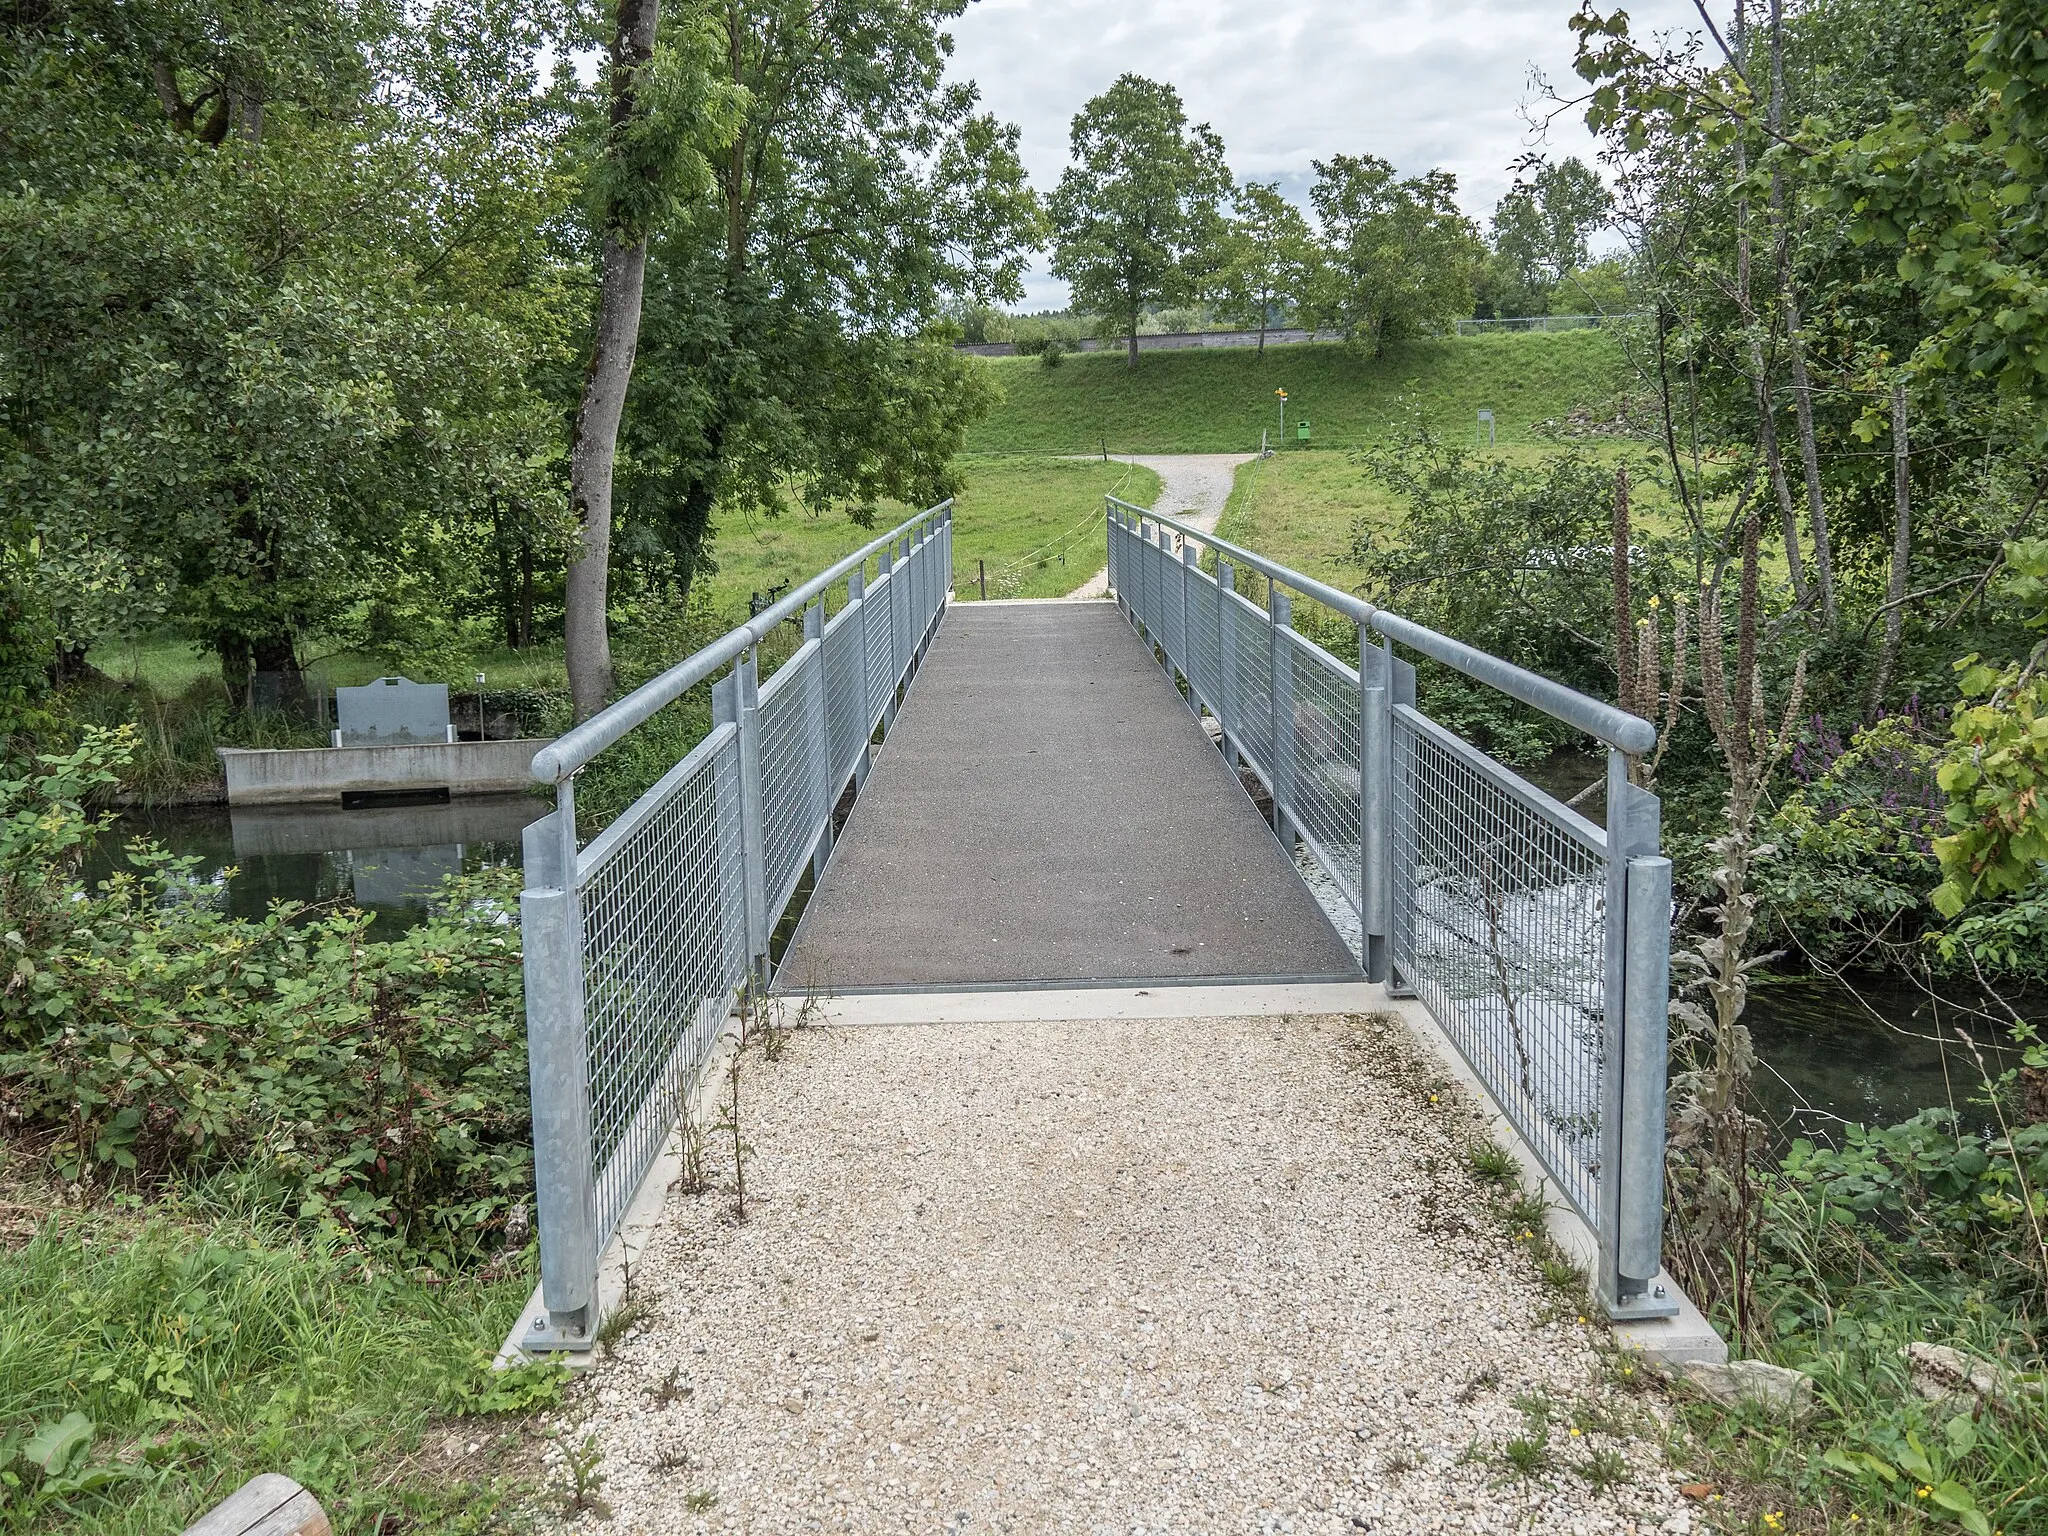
(374, 1088)
(1854, 861)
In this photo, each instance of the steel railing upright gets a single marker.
(637, 945)
(1539, 941)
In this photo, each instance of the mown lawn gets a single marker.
(1303, 509)
(1219, 401)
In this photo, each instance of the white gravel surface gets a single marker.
(1141, 1276)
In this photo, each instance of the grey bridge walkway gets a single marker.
(1047, 810)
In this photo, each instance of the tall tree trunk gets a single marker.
(622, 281)
(1902, 554)
(1131, 340)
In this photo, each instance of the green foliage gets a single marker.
(1852, 861)
(1136, 216)
(275, 296)
(1514, 558)
(372, 1087)
(1996, 774)
(1918, 1231)
(1399, 258)
(1265, 260)
(1542, 225)
(795, 344)
(1963, 198)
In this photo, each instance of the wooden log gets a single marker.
(266, 1505)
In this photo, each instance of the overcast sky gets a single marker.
(1421, 82)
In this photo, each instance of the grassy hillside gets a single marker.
(1217, 401)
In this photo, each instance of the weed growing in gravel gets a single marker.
(620, 1321)
(1529, 1452)
(729, 1124)
(701, 1500)
(1491, 1163)
(1526, 1455)
(1603, 1468)
(582, 1463)
(1485, 1379)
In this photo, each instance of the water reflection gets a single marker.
(388, 859)
(1873, 1051)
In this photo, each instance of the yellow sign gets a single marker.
(1281, 393)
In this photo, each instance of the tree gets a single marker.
(252, 328)
(793, 344)
(1398, 258)
(661, 116)
(1267, 256)
(1542, 225)
(1136, 216)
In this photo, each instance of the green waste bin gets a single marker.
(1301, 431)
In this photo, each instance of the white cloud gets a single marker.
(1422, 84)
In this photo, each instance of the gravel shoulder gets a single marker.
(1134, 1276)
(1192, 487)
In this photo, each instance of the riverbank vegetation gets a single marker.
(267, 1186)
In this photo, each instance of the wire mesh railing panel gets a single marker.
(1249, 682)
(846, 719)
(1326, 786)
(1503, 937)
(1171, 638)
(788, 819)
(881, 644)
(1203, 654)
(664, 947)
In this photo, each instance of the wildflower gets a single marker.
(1922, 1492)
(1575, 1431)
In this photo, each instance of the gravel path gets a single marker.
(1148, 1276)
(1192, 487)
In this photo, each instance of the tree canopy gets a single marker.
(1137, 215)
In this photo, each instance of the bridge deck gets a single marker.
(1047, 810)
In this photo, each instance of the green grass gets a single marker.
(1301, 508)
(204, 1348)
(1218, 401)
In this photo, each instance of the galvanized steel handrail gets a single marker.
(637, 945)
(1596, 717)
(1539, 941)
(579, 744)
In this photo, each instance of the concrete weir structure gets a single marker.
(323, 775)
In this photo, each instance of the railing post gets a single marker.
(754, 861)
(1399, 881)
(558, 1070)
(857, 617)
(1279, 614)
(1188, 557)
(1375, 765)
(1635, 1030)
(1226, 659)
(819, 741)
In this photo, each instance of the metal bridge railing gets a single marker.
(637, 944)
(1538, 941)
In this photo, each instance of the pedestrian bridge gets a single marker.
(1186, 784)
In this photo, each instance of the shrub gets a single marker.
(1854, 860)
(374, 1087)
